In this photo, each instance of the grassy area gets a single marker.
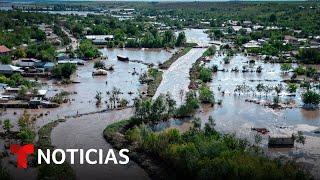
(153, 85)
(52, 171)
(174, 57)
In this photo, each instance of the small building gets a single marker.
(290, 39)
(8, 69)
(28, 62)
(251, 44)
(247, 23)
(100, 39)
(4, 50)
(236, 28)
(10, 90)
(62, 56)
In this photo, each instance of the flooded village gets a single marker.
(135, 76)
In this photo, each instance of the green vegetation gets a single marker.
(64, 70)
(43, 52)
(16, 80)
(292, 88)
(311, 98)
(99, 65)
(7, 125)
(210, 51)
(309, 56)
(206, 154)
(152, 111)
(52, 171)
(5, 59)
(206, 95)
(26, 126)
(190, 107)
(285, 67)
(61, 97)
(88, 50)
(58, 31)
(156, 76)
(174, 57)
(205, 74)
(181, 39)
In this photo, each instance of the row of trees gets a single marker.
(207, 154)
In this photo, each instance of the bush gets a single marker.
(292, 88)
(99, 65)
(311, 97)
(205, 74)
(206, 95)
(300, 70)
(210, 51)
(64, 70)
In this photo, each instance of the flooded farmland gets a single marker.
(235, 115)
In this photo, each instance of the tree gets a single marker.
(273, 18)
(98, 97)
(311, 98)
(181, 40)
(7, 125)
(285, 67)
(292, 88)
(88, 50)
(205, 74)
(5, 59)
(99, 65)
(206, 95)
(64, 70)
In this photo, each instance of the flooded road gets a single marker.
(175, 80)
(88, 135)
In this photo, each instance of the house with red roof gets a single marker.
(4, 50)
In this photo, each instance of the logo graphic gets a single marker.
(22, 153)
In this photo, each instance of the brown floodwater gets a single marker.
(175, 80)
(235, 115)
(85, 132)
(83, 101)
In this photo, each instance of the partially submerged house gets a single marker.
(100, 39)
(8, 69)
(28, 62)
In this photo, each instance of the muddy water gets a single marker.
(237, 116)
(154, 56)
(176, 80)
(83, 102)
(87, 135)
(196, 36)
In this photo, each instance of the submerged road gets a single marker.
(176, 79)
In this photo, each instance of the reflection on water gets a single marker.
(154, 56)
(237, 116)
